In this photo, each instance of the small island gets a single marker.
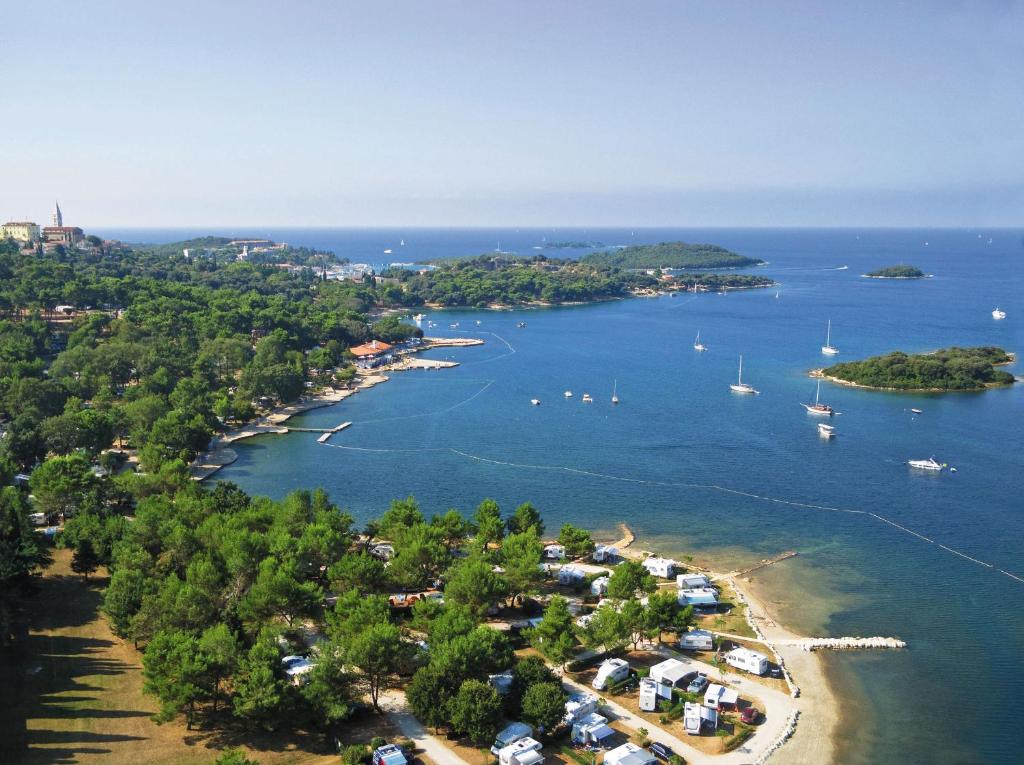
(948, 369)
(896, 272)
(671, 255)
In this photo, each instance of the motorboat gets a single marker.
(928, 464)
(826, 431)
(535, 401)
(568, 394)
(916, 411)
(587, 399)
(418, 318)
(615, 387)
(817, 407)
(998, 314)
(828, 349)
(521, 324)
(739, 386)
(698, 345)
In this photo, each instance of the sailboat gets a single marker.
(615, 387)
(828, 349)
(739, 386)
(402, 243)
(817, 407)
(698, 345)
(998, 314)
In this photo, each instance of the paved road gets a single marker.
(393, 703)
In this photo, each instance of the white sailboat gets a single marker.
(698, 345)
(828, 349)
(998, 314)
(615, 387)
(739, 386)
(817, 407)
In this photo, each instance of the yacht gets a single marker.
(928, 464)
(739, 386)
(587, 399)
(826, 431)
(828, 349)
(615, 387)
(535, 401)
(387, 252)
(698, 345)
(998, 314)
(521, 324)
(817, 407)
(568, 394)
(916, 411)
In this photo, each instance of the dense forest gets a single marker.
(946, 369)
(671, 255)
(897, 272)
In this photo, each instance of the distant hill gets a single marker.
(671, 255)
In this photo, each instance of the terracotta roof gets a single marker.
(370, 349)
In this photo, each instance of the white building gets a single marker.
(747, 660)
(697, 640)
(629, 754)
(661, 567)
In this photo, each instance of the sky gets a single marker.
(436, 113)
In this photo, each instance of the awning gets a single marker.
(600, 732)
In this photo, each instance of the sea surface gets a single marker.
(694, 468)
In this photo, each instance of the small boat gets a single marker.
(998, 314)
(535, 401)
(402, 243)
(826, 431)
(817, 407)
(916, 411)
(454, 325)
(418, 318)
(615, 387)
(568, 394)
(521, 324)
(387, 252)
(828, 349)
(776, 294)
(739, 386)
(928, 464)
(478, 322)
(587, 399)
(698, 345)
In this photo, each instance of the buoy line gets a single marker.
(487, 384)
(680, 484)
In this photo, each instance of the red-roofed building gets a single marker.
(372, 354)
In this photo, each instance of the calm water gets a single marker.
(945, 700)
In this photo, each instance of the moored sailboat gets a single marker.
(698, 345)
(828, 349)
(739, 386)
(817, 407)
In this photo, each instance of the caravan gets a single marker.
(525, 751)
(629, 754)
(696, 717)
(579, 706)
(719, 697)
(662, 567)
(697, 640)
(648, 694)
(591, 730)
(611, 672)
(510, 735)
(672, 673)
(691, 581)
(747, 660)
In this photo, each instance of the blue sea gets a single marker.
(696, 469)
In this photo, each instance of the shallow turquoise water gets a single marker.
(679, 428)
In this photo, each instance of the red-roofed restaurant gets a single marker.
(372, 354)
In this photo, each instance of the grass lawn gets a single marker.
(73, 694)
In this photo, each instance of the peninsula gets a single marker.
(896, 272)
(671, 255)
(948, 369)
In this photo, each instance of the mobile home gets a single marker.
(611, 672)
(579, 706)
(554, 551)
(591, 729)
(525, 751)
(698, 597)
(719, 697)
(510, 735)
(747, 660)
(599, 586)
(670, 672)
(691, 581)
(604, 554)
(697, 640)
(571, 575)
(648, 694)
(662, 567)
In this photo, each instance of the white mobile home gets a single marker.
(571, 575)
(604, 554)
(691, 581)
(719, 697)
(747, 660)
(629, 754)
(691, 718)
(554, 551)
(697, 640)
(510, 735)
(670, 672)
(525, 751)
(611, 672)
(663, 567)
(591, 729)
(648, 694)
(579, 706)
(599, 586)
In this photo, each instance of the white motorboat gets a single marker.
(739, 386)
(916, 411)
(418, 318)
(817, 407)
(998, 314)
(826, 431)
(387, 252)
(928, 464)
(535, 401)
(568, 394)
(587, 399)
(698, 345)
(615, 387)
(828, 349)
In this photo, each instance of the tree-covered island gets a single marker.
(953, 369)
(897, 272)
(671, 255)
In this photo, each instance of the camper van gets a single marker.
(525, 751)
(611, 672)
(697, 640)
(510, 735)
(747, 660)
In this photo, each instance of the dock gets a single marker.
(757, 566)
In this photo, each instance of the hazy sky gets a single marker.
(513, 113)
